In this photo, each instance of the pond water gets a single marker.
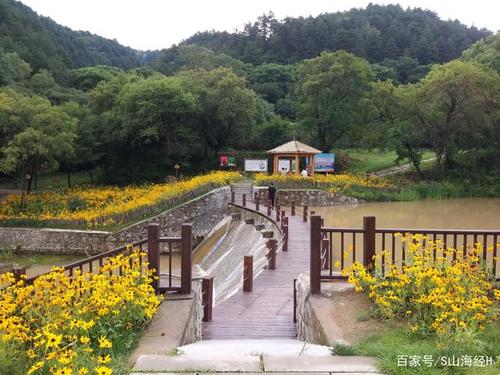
(35, 264)
(473, 213)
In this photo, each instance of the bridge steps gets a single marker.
(242, 188)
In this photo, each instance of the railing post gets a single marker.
(244, 200)
(315, 264)
(186, 252)
(18, 272)
(278, 212)
(154, 254)
(304, 215)
(282, 216)
(257, 208)
(207, 288)
(268, 207)
(271, 245)
(248, 273)
(285, 236)
(232, 197)
(293, 208)
(369, 241)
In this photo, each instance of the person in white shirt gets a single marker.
(303, 173)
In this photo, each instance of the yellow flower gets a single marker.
(63, 371)
(83, 371)
(104, 343)
(84, 340)
(35, 367)
(104, 359)
(53, 341)
(101, 370)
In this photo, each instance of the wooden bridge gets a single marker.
(268, 310)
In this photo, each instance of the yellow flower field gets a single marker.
(332, 182)
(453, 299)
(74, 325)
(107, 205)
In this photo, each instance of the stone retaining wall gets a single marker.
(203, 212)
(193, 328)
(308, 197)
(54, 241)
(309, 327)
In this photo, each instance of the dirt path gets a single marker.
(396, 169)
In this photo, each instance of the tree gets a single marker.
(329, 92)
(188, 57)
(147, 127)
(271, 81)
(35, 134)
(455, 107)
(486, 51)
(226, 106)
(12, 68)
(87, 78)
(88, 150)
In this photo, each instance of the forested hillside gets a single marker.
(376, 33)
(402, 80)
(45, 44)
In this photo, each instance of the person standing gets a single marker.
(271, 192)
(304, 173)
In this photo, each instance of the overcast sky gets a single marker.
(156, 24)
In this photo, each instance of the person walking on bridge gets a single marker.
(271, 192)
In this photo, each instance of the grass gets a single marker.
(54, 181)
(392, 343)
(361, 160)
(9, 258)
(343, 349)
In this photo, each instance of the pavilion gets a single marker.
(293, 150)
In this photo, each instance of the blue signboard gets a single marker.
(324, 163)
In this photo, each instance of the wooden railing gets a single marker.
(348, 245)
(152, 245)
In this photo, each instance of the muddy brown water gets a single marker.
(476, 213)
(473, 213)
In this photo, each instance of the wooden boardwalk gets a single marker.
(267, 311)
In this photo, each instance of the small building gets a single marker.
(287, 157)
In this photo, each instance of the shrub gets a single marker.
(453, 299)
(107, 205)
(63, 324)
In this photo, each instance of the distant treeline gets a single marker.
(134, 115)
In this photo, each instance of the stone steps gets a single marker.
(242, 188)
(254, 357)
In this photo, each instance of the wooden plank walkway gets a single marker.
(267, 311)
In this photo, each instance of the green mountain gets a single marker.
(44, 44)
(376, 33)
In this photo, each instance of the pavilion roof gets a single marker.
(294, 147)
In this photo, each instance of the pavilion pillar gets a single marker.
(275, 164)
(297, 172)
(312, 165)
